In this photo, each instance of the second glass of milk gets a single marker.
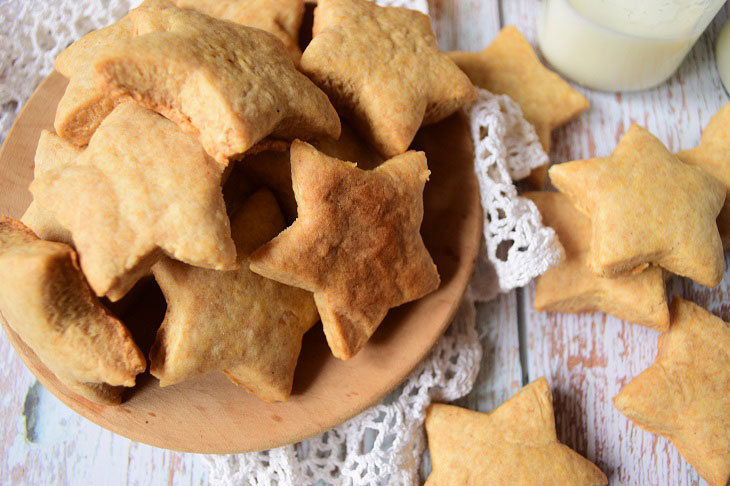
(621, 45)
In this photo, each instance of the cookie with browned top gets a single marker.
(45, 299)
(356, 243)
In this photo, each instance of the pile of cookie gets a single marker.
(196, 142)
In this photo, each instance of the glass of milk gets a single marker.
(621, 45)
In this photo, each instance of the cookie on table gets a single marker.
(356, 242)
(52, 152)
(570, 286)
(685, 394)
(383, 70)
(647, 207)
(510, 66)
(141, 189)
(283, 18)
(713, 156)
(46, 301)
(229, 84)
(237, 322)
(516, 444)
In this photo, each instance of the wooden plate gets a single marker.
(211, 415)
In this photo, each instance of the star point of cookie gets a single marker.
(356, 243)
(510, 66)
(237, 322)
(141, 188)
(280, 17)
(229, 84)
(647, 207)
(685, 394)
(570, 286)
(383, 70)
(515, 444)
(46, 301)
(713, 156)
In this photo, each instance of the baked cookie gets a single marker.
(713, 156)
(141, 188)
(229, 84)
(356, 243)
(685, 394)
(516, 444)
(646, 206)
(271, 169)
(236, 321)
(570, 286)
(52, 152)
(510, 66)
(45, 300)
(280, 17)
(383, 71)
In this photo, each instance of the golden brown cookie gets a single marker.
(271, 169)
(236, 321)
(713, 156)
(141, 188)
(45, 300)
(279, 17)
(685, 394)
(510, 66)
(52, 152)
(646, 206)
(383, 71)
(570, 286)
(229, 84)
(516, 444)
(356, 243)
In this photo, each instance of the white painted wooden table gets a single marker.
(586, 358)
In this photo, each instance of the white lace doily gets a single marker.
(384, 444)
(506, 148)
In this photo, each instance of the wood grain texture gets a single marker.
(588, 358)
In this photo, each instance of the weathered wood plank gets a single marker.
(588, 358)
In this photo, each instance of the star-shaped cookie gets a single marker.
(52, 152)
(516, 444)
(383, 70)
(236, 321)
(229, 84)
(510, 66)
(141, 188)
(646, 206)
(570, 286)
(356, 243)
(685, 394)
(45, 299)
(713, 156)
(280, 17)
